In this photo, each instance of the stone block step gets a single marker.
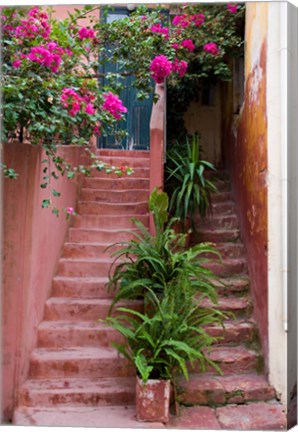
(79, 362)
(227, 286)
(68, 334)
(232, 331)
(223, 208)
(89, 250)
(114, 196)
(107, 209)
(138, 172)
(215, 221)
(214, 390)
(77, 287)
(109, 222)
(220, 196)
(222, 185)
(100, 235)
(75, 392)
(227, 267)
(219, 235)
(122, 183)
(69, 309)
(214, 176)
(233, 359)
(228, 250)
(88, 267)
(126, 161)
(240, 307)
(123, 153)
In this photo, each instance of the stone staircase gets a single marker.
(77, 379)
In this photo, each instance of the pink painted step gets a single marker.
(89, 267)
(234, 331)
(107, 209)
(238, 306)
(123, 153)
(132, 162)
(110, 222)
(122, 183)
(226, 207)
(76, 287)
(259, 415)
(227, 250)
(227, 286)
(100, 235)
(114, 196)
(69, 309)
(88, 362)
(66, 334)
(78, 392)
(219, 235)
(141, 172)
(227, 267)
(236, 359)
(228, 221)
(89, 250)
(221, 196)
(209, 389)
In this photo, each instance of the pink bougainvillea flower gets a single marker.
(198, 19)
(47, 55)
(36, 24)
(90, 109)
(157, 28)
(96, 130)
(181, 21)
(160, 68)
(16, 64)
(232, 7)
(211, 48)
(175, 46)
(85, 33)
(70, 211)
(180, 67)
(188, 44)
(113, 105)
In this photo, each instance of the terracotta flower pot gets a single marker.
(153, 400)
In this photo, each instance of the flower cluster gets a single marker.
(188, 44)
(185, 20)
(211, 48)
(85, 33)
(113, 105)
(49, 55)
(179, 67)
(74, 102)
(35, 25)
(157, 28)
(160, 68)
(232, 7)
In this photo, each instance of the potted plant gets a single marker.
(169, 337)
(190, 190)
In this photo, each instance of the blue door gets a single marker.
(137, 119)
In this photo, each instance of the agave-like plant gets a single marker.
(190, 189)
(150, 263)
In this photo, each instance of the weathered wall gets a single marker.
(246, 155)
(32, 242)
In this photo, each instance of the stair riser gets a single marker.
(228, 250)
(90, 208)
(122, 153)
(80, 289)
(142, 172)
(80, 368)
(224, 208)
(93, 337)
(223, 185)
(219, 221)
(224, 236)
(76, 250)
(79, 312)
(126, 161)
(104, 222)
(221, 196)
(123, 183)
(83, 268)
(232, 335)
(248, 364)
(99, 236)
(219, 396)
(77, 398)
(110, 196)
(237, 267)
(232, 287)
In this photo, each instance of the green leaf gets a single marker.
(46, 203)
(55, 193)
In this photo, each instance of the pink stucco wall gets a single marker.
(32, 242)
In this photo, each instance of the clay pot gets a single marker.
(153, 400)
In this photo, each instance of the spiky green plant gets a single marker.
(191, 190)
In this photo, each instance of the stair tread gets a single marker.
(75, 353)
(229, 354)
(91, 279)
(90, 301)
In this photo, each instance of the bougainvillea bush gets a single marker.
(50, 68)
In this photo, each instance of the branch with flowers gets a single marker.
(50, 67)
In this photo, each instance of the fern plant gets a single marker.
(190, 189)
(150, 263)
